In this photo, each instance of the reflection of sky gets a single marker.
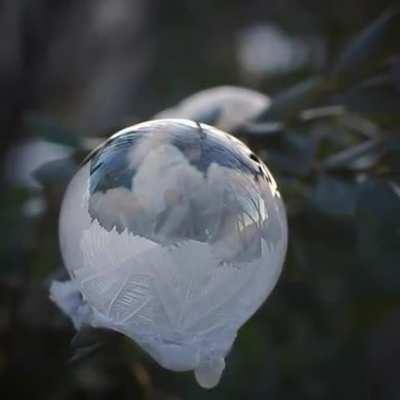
(251, 203)
(111, 168)
(151, 181)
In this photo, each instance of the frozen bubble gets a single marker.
(174, 233)
(209, 374)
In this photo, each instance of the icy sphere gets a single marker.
(173, 233)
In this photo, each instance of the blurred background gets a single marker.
(72, 73)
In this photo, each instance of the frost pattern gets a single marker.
(173, 249)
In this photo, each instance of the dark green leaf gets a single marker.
(361, 156)
(392, 159)
(378, 231)
(377, 98)
(88, 340)
(334, 197)
(260, 129)
(370, 47)
(56, 172)
(296, 155)
(51, 130)
(293, 100)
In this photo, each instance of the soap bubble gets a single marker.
(173, 233)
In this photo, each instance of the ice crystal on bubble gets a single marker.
(173, 233)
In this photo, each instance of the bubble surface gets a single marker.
(173, 233)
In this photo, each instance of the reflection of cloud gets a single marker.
(163, 187)
(165, 178)
(239, 229)
(171, 201)
(230, 106)
(119, 208)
